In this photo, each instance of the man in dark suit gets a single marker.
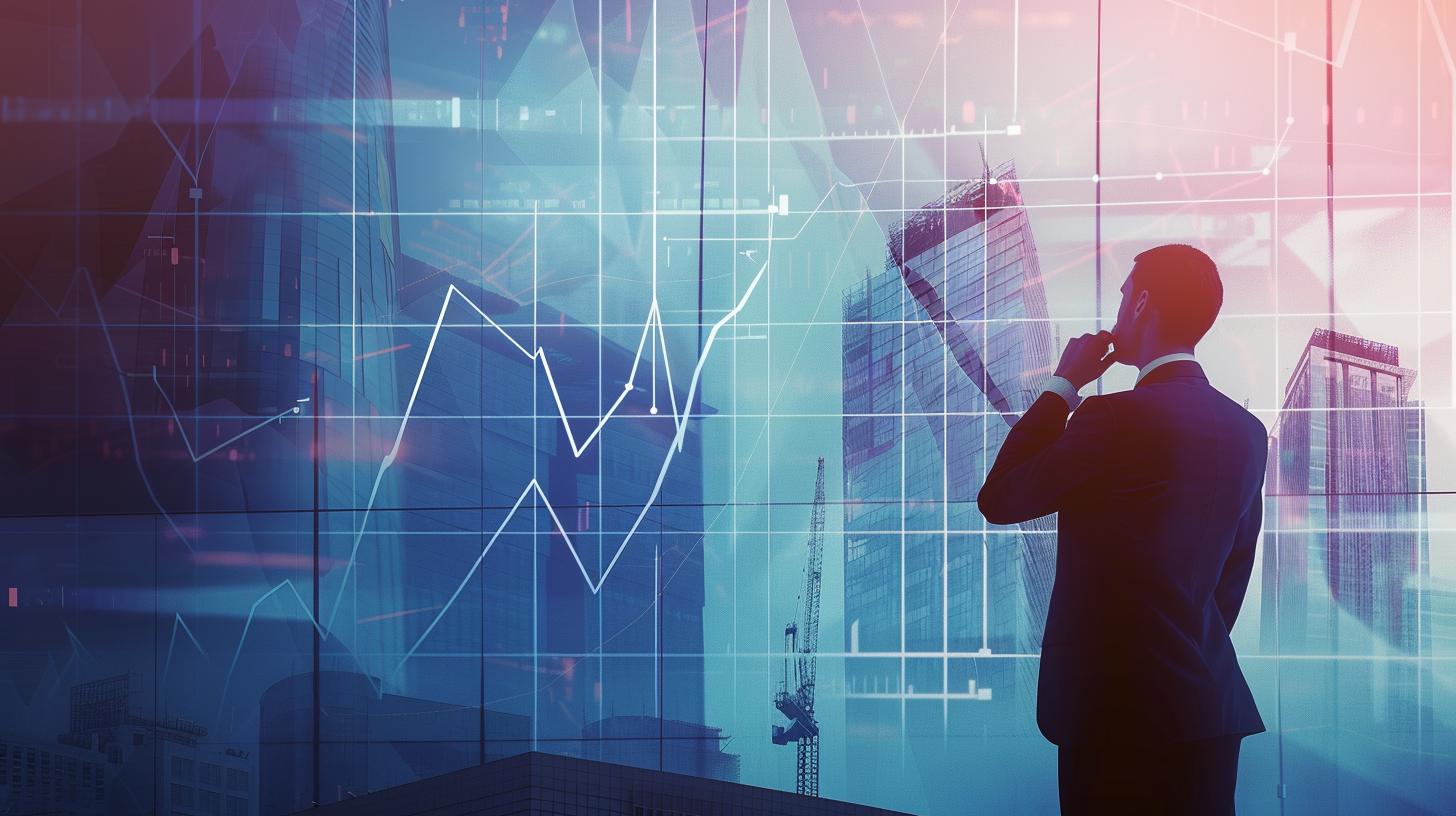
(1158, 490)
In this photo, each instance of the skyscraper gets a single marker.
(941, 350)
(1345, 509)
(1346, 548)
(298, 295)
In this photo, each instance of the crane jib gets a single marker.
(795, 694)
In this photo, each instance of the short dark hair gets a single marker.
(1183, 283)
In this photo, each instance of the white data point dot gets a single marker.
(1266, 171)
(1157, 176)
(1096, 178)
(1289, 120)
(652, 410)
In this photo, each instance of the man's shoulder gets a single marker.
(1131, 403)
(1247, 419)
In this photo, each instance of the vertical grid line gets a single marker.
(601, 321)
(1097, 184)
(1274, 239)
(945, 188)
(536, 499)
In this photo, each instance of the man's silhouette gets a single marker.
(1158, 490)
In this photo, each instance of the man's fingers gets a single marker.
(1086, 357)
(1101, 339)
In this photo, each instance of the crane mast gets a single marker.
(795, 695)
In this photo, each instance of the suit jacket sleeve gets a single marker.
(1045, 457)
(1229, 594)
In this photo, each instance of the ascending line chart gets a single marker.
(653, 327)
(653, 331)
(652, 339)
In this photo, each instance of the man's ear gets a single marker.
(1139, 306)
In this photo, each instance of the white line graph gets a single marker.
(653, 323)
(680, 421)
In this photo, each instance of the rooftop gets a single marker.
(537, 784)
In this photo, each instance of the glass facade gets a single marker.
(1347, 562)
(942, 350)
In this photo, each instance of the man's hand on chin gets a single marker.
(1086, 358)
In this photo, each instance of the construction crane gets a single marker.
(795, 695)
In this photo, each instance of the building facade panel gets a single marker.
(941, 351)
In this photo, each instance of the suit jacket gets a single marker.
(1158, 490)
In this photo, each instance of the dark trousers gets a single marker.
(1195, 778)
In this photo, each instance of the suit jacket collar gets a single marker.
(1175, 369)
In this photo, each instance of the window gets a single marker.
(210, 774)
(209, 803)
(237, 806)
(237, 780)
(182, 768)
(181, 795)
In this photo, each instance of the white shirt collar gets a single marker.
(1166, 358)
